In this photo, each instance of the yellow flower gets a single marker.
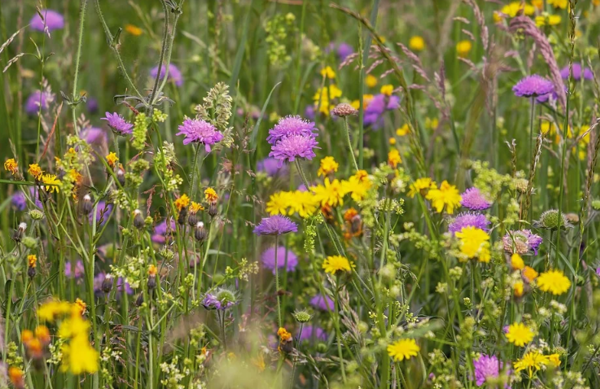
(35, 170)
(474, 243)
(11, 165)
(394, 158)
(392, 141)
(304, 203)
(259, 362)
(550, 20)
(182, 202)
(431, 124)
(51, 183)
(518, 288)
(133, 30)
(553, 281)
(447, 195)
(562, 4)
(80, 306)
(328, 72)
(152, 270)
(358, 185)
(463, 48)
(420, 186)
(371, 80)
(403, 349)
(533, 360)
(519, 334)
(278, 203)
(283, 334)
(331, 194)
(324, 95)
(328, 166)
(79, 356)
(554, 359)
(112, 159)
(196, 207)
(539, 4)
(335, 263)
(516, 262)
(416, 43)
(52, 309)
(387, 89)
(529, 273)
(210, 195)
(402, 131)
(31, 260)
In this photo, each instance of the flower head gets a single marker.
(291, 125)
(35, 170)
(578, 72)
(199, 131)
(377, 106)
(519, 334)
(322, 302)
(328, 166)
(521, 241)
(469, 220)
(474, 243)
(516, 262)
(331, 193)
(486, 367)
(531, 361)
(294, 146)
(310, 332)
(337, 263)
(416, 43)
(446, 196)
(174, 74)
(51, 183)
(403, 349)
(112, 159)
(474, 200)
(118, 124)
(553, 281)
(182, 202)
(52, 21)
(275, 225)
(37, 100)
(394, 158)
(421, 185)
(533, 86)
(285, 260)
(272, 167)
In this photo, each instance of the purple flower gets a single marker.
(92, 105)
(94, 135)
(310, 332)
(103, 212)
(197, 130)
(309, 112)
(99, 279)
(161, 231)
(283, 256)
(521, 242)
(118, 124)
(291, 125)
(343, 50)
(52, 20)
(533, 86)
(376, 108)
(474, 200)
(587, 73)
(36, 100)
(174, 74)
(19, 201)
(294, 146)
(322, 302)
(74, 273)
(486, 367)
(211, 302)
(275, 225)
(469, 220)
(272, 167)
(598, 271)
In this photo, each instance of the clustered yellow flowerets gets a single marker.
(78, 354)
(182, 202)
(403, 349)
(474, 243)
(337, 263)
(519, 334)
(331, 193)
(35, 170)
(282, 203)
(11, 165)
(421, 186)
(534, 361)
(112, 159)
(210, 195)
(51, 183)
(324, 96)
(394, 158)
(328, 166)
(446, 196)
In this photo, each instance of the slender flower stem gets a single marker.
(350, 150)
(279, 321)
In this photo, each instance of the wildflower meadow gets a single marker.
(299, 194)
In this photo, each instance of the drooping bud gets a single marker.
(107, 283)
(200, 232)
(121, 176)
(87, 205)
(138, 219)
(18, 234)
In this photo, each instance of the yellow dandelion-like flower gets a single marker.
(182, 202)
(31, 260)
(12, 166)
(402, 131)
(531, 361)
(279, 203)
(210, 195)
(196, 207)
(394, 158)
(79, 356)
(51, 183)
(403, 349)
(421, 185)
(463, 48)
(474, 243)
(358, 185)
(529, 273)
(519, 334)
(553, 281)
(562, 4)
(392, 140)
(35, 170)
(416, 43)
(550, 20)
(446, 196)
(112, 159)
(133, 30)
(387, 89)
(337, 263)
(516, 262)
(328, 166)
(331, 193)
(371, 81)
(328, 72)
(152, 270)
(518, 288)
(304, 203)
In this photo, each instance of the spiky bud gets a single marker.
(343, 110)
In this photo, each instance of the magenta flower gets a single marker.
(197, 130)
(162, 230)
(275, 225)
(118, 124)
(322, 302)
(533, 86)
(311, 332)
(272, 167)
(486, 367)
(75, 272)
(174, 74)
(36, 100)
(52, 20)
(291, 125)
(474, 200)
(343, 50)
(577, 72)
(93, 135)
(294, 146)
(469, 220)
(521, 241)
(377, 107)
(283, 256)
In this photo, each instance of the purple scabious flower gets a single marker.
(211, 302)
(469, 220)
(598, 271)
(577, 72)
(77, 272)
(103, 212)
(275, 225)
(92, 105)
(121, 283)
(52, 20)
(343, 50)
(533, 86)
(19, 201)
(521, 242)
(269, 261)
(272, 167)
(161, 231)
(294, 146)
(36, 100)
(376, 108)
(474, 200)
(291, 125)
(486, 367)
(309, 112)
(310, 332)
(174, 73)
(94, 135)
(322, 302)
(197, 130)
(118, 124)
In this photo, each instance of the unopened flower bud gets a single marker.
(31, 272)
(344, 109)
(107, 283)
(139, 300)
(192, 219)
(182, 216)
(121, 177)
(200, 232)
(36, 214)
(138, 219)
(87, 205)
(212, 209)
